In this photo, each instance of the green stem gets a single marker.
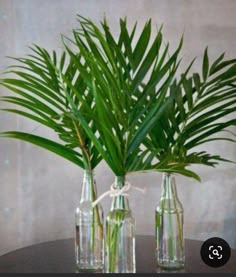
(114, 226)
(170, 233)
(115, 244)
(180, 230)
(95, 216)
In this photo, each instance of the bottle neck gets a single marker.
(168, 187)
(89, 191)
(121, 201)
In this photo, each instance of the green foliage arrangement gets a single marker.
(121, 100)
(104, 96)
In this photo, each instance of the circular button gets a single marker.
(215, 252)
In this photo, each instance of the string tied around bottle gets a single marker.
(114, 192)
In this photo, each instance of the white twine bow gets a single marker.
(113, 192)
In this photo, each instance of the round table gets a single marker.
(58, 256)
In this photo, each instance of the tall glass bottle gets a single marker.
(169, 227)
(89, 237)
(120, 234)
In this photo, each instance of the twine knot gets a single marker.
(114, 192)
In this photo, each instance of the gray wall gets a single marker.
(39, 191)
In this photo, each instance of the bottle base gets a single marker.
(170, 265)
(87, 269)
(128, 271)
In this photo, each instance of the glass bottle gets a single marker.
(169, 227)
(89, 237)
(120, 234)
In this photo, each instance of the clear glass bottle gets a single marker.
(89, 237)
(169, 227)
(120, 234)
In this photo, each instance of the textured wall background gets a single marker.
(39, 191)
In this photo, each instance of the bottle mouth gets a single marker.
(168, 174)
(89, 172)
(119, 181)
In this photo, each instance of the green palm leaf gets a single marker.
(41, 86)
(198, 113)
(50, 145)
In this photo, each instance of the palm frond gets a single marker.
(198, 112)
(40, 94)
(129, 82)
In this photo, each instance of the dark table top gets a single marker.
(58, 256)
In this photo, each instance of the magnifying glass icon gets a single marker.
(215, 252)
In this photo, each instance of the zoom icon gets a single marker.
(215, 252)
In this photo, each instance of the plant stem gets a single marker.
(83, 148)
(115, 224)
(180, 230)
(170, 232)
